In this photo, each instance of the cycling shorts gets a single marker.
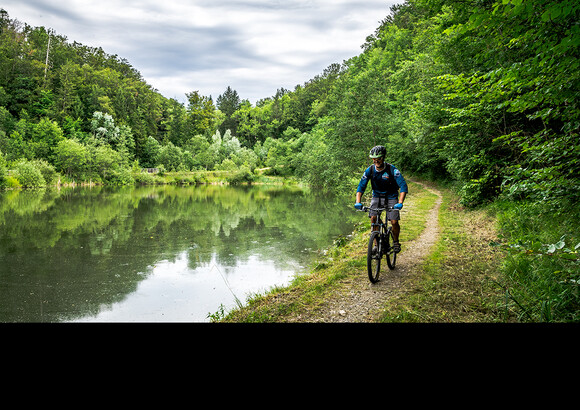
(377, 202)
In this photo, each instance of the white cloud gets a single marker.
(254, 46)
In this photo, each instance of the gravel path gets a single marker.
(364, 301)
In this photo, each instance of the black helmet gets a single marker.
(378, 151)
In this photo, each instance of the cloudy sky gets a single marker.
(178, 46)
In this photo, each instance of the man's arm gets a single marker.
(402, 196)
(362, 185)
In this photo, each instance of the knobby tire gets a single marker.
(390, 254)
(374, 258)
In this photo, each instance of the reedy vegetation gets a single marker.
(482, 94)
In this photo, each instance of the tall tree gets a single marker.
(228, 103)
(201, 114)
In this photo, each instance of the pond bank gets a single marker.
(444, 273)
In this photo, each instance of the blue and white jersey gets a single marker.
(383, 184)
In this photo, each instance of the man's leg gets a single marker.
(373, 221)
(396, 229)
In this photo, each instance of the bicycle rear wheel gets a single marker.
(374, 255)
(390, 254)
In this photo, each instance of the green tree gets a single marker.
(171, 157)
(104, 160)
(150, 152)
(201, 114)
(44, 137)
(228, 103)
(71, 158)
(198, 147)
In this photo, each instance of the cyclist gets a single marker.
(386, 180)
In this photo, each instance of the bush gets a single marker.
(542, 268)
(144, 178)
(227, 165)
(184, 179)
(29, 175)
(241, 176)
(47, 170)
(120, 177)
(10, 182)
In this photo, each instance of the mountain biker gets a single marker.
(386, 180)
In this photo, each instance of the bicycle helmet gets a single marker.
(378, 151)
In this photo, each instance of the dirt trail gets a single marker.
(363, 302)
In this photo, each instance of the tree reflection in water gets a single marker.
(156, 253)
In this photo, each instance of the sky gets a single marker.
(179, 46)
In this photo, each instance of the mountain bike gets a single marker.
(380, 244)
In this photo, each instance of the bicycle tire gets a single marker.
(390, 254)
(374, 258)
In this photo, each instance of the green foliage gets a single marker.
(47, 170)
(171, 157)
(483, 93)
(28, 174)
(104, 162)
(143, 178)
(228, 103)
(542, 271)
(85, 95)
(201, 114)
(120, 176)
(3, 170)
(240, 175)
(71, 158)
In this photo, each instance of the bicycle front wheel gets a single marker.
(374, 255)
(390, 254)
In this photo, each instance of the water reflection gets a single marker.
(162, 253)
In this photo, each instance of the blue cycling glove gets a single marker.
(358, 206)
(398, 207)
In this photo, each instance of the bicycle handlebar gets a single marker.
(366, 208)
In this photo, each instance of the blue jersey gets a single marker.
(383, 184)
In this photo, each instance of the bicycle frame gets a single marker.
(380, 244)
(383, 226)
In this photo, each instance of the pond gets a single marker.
(156, 253)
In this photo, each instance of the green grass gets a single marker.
(507, 262)
(333, 273)
(541, 273)
(459, 280)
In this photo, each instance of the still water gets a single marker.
(155, 254)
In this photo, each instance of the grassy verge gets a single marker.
(459, 281)
(303, 298)
(541, 272)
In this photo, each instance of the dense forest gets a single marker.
(480, 94)
(483, 93)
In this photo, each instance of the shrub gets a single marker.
(47, 170)
(29, 175)
(120, 176)
(10, 182)
(144, 178)
(542, 267)
(183, 179)
(241, 176)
